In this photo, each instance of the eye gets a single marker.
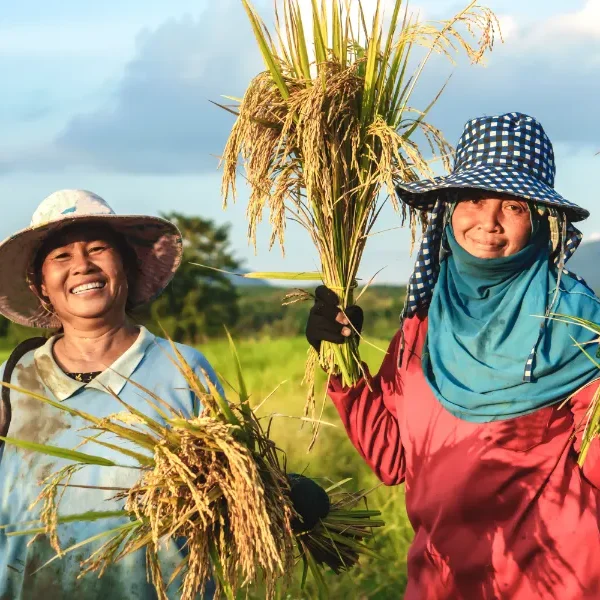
(516, 208)
(98, 248)
(471, 201)
(61, 256)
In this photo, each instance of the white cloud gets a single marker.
(547, 68)
(83, 39)
(509, 26)
(583, 22)
(159, 119)
(558, 35)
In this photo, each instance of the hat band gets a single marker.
(523, 165)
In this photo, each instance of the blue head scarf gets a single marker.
(485, 317)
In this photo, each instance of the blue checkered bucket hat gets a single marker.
(510, 154)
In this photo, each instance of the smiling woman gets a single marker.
(491, 225)
(83, 274)
(79, 267)
(480, 401)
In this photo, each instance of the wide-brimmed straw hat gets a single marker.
(509, 153)
(156, 242)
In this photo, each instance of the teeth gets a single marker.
(88, 286)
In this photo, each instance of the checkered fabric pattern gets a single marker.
(427, 267)
(509, 153)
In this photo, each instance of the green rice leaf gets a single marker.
(337, 485)
(301, 47)
(65, 453)
(145, 461)
(265, 49)
(373, 50)
(86, 516)
(91, 540)
(60, 406)
(322, 588)
(571, 320)
(216, 561)
(424, 114)
(243, 390)
(304, 571)
(139, 438)
(151, 423)
(298, 276)
(592, 429)
(320, 34)
(221, 401)
(158, 401)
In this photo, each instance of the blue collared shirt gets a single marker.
(148, 362)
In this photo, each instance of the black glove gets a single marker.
(309, 500)
(322, 324)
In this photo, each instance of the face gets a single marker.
(489, 225)
(83, 276)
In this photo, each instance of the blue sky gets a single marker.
(114, 97)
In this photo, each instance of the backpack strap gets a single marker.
(14, 358)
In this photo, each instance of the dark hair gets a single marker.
(126, 252)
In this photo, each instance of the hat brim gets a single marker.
(507, 180)
(156, 242)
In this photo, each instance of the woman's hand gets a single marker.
(326, 322)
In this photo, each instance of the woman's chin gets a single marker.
(92, 309)
(485, 252)
(487, 255)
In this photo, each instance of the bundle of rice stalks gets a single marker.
(328, 127)
(215, 481)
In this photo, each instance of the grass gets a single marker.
(269, 362)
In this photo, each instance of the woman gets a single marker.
(480, 402)
(80, 267)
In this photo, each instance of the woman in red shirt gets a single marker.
(481, 400)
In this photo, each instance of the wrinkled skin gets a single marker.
(489, 225)
(95, 326)
(83, 256)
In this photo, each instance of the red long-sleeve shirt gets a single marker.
(500, 510)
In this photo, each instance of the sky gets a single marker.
(114, 97)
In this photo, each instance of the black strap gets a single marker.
(14, 358)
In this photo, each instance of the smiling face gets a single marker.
(489, 225)
(83, 276)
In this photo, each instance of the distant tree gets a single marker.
(198, 302)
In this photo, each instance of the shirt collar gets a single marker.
(114, 377)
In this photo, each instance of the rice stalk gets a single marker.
(592, 424)
(328, 130)
(215, 480)
(339, 539)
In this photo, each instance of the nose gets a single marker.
(489, 215)
(82, 263)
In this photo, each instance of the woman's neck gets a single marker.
(81, 350)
